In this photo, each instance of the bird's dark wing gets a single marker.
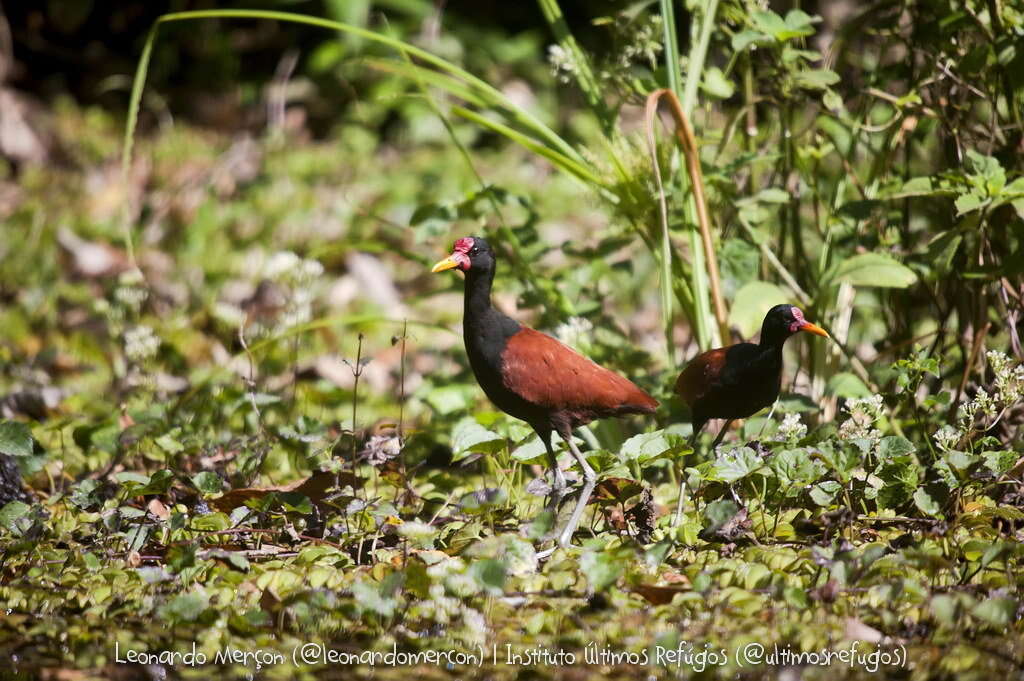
(550, 374)
(713, 371)
(700, 374)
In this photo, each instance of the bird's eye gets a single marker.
(474, 250)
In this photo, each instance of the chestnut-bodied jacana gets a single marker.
(739, 380)
(533, 376)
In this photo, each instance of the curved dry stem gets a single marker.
(688, 142)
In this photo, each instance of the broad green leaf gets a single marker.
(718, 513)
(751, 304)
(468, 436)
(645, 447)
(944, 608)
(490, 574)
(875, 270)
(11, 513)
(208, 482)
(894, 446)
(735, 465)
(211, 522)
(716, 85)
(998, 612)
(531, 451)
(816, 79)
(847, 384)
(926, 504)
(824, 493)
(968, 203)
(795, 469)
(15, 439)
(602, 568)
(186, 607)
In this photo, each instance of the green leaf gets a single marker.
(744, 39)
(490, 575)
(15, 439)
(944, 609)
(997, 612)
(893, 447)
(751, 304)
(968, 203)
(469, 436)
(135, 538)
(774, 195)
(602, 568)
(846, 384)
(735, 465)
(645, 447)
(824, 493)
(369, 598)
(795, 469)
(715, 84)
(1000, 462)
(185, 608)
(211, 522)
(295, 502)
(159, 482)
(170, 445)
(816, 79)
(926, 504)
(531, 451)
(718, 513)
(208, 483)
(132, 477)
(875, 270)
(11, 513)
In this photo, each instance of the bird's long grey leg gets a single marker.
(558, 486)
(591, 479)
(588, 472)
(574, 520)
(682, 478)
(714, 444)
(721, 434)
(565, 536)
(764, 425)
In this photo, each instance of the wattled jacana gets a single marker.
(739, 380)
(532, 376)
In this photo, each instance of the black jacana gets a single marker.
(532, 376)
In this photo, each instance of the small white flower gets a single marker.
(140, 343)
(281, 265)
(563, 65)
(131, 291)
(791, 428)
(946, 437)
(863, 413)
(475, 624)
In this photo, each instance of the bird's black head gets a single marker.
(468, 253)
(782, 321)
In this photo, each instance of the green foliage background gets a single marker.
(242, 406)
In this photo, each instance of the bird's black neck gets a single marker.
(485, 329)
(477, 300)
(773, 338)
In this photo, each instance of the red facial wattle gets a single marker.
(798, 320)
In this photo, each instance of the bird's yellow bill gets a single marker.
(448, 263)
(815, 329)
